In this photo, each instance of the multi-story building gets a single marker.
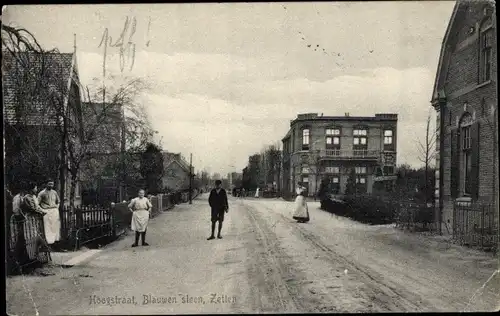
(318, 147)
(465, 98)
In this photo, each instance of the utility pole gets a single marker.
(190, 179)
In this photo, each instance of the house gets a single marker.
(318, 147)
(176, 171)
(37, 89)
(465, 99)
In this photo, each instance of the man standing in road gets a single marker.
(218, 204)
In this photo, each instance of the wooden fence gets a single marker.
(475, 225)
(26, 244)
(26, 237)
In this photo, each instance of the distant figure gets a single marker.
(140, 207)
(257, 193)
(219, 205)
(301, 213)
(49, 202)
(243, 193)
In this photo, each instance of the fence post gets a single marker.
(111, 211)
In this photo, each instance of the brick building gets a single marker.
(465, 98)
(37, 88)
(318, 147)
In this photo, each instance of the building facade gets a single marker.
(465, 99)
(331, 147)
(36, 89)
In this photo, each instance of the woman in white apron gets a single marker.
(301, 213)
(140, 207)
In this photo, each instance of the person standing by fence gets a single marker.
(31, 224)
(49, 202)
(140, 208)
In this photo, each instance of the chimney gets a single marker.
(346, 113)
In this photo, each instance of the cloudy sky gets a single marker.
(226, 79)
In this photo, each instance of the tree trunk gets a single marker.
(62, 169)
(72, 191)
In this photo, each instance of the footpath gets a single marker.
(180, 272)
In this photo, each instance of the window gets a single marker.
(332, 131)
(388, 137)
(332, 169)
(335, 185)
(305, 179)
(361, 180)
(360, 170)
(466, 152)
(305, 138)
(333, 138)
(388, 170)
(486, 40)
(360, 142)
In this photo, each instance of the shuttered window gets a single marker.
(474, 161)
(454, 164)
(465, 151)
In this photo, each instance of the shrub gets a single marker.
(365, 209)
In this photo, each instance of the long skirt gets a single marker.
(52, 225)
(301, 212)
(140, 221)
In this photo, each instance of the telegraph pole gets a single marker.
(190, 179)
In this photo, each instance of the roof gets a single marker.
(457, 21)
(169, 158)
(33, 80)
(444, 47)
(380, 117)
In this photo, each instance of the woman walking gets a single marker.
(140, 208)
(301, 213)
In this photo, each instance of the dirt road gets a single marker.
(265, 263)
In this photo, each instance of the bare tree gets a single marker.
(107, 128)
(40, 106)
(30, 86)
(427, 153)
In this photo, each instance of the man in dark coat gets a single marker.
(219, 206)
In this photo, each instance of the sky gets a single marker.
(224, 80)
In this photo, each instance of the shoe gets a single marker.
(134, 245)
(220, 237)
(210, 238)
(145, 244)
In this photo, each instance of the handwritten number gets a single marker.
(124, 47)
(133, 58)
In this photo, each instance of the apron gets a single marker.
(140, 221)
(52, 225)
